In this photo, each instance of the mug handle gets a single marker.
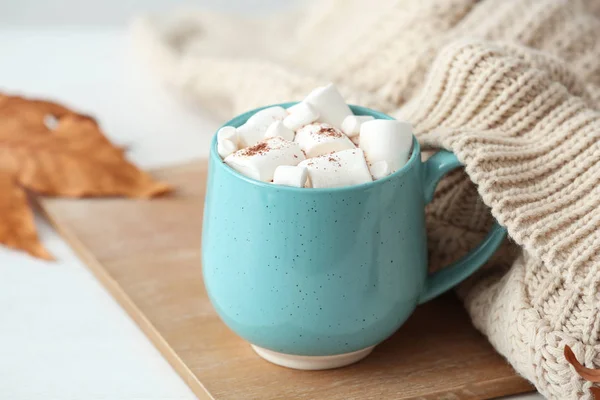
(437, 283)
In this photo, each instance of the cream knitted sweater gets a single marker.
(511, 86)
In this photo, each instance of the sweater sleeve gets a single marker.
(529, 136)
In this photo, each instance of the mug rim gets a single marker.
(356, 110)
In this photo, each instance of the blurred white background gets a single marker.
(86, 13)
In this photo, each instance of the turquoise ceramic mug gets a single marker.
(315, 278)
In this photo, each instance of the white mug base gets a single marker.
(312, 362)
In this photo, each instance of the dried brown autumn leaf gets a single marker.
(589, 374)
(72, 158)
(17, 229)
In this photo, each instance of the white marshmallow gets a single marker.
(225, 147)
(344, 168)
(277, 128)
(294, 108)
(386, 140)
(318, 139)
(351, 124)
(300, 114)
(289, 175)
(253, 131)
(330, 105)
(380, 169)
(260, 161)
(227, 141)
(249, 135)
(227, 133)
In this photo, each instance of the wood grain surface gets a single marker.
(147, 254)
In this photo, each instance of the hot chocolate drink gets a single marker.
(316, 143)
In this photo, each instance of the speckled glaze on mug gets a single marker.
(324, 272)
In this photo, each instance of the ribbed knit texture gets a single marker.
(511, 86)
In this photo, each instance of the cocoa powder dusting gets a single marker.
(333, 159)
(329, 131)
(259, 148)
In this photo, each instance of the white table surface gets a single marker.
(62, 336)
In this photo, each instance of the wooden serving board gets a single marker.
(147, 254)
